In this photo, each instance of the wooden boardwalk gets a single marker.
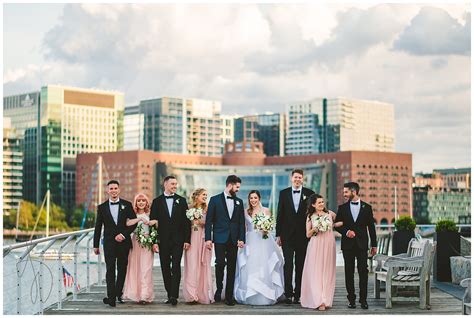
(91, 304)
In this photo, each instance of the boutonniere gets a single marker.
(177, 201)
(237, 202)
(304, 197)
(122, 206)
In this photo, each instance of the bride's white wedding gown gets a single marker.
(259, 272)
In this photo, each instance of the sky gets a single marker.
(260, 57)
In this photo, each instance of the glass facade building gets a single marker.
(133, 128)
(340, 124)
(12, 168)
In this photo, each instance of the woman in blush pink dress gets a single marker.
(197, 276)
(139, 280)
(319, 273)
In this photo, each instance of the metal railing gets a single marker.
(65, 240)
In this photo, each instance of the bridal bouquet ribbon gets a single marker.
(194, 214)
(263, 223)
(146, 239)
(321, 222)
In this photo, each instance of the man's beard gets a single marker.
(232, 192)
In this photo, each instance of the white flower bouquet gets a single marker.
(322, 223)
(194, 214)
(263, 223)
(144, 238)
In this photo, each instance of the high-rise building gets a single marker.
(133, 128)
(71, 121)
(268, 128)
(12, 168)
(340, 124)
(182, 125)
(228, 128)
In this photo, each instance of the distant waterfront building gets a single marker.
(268, 128)
(133, 129)
(228, 128)
(326, 125)
(378, 174)
(12, 168)
(455, 178)
(71, 121)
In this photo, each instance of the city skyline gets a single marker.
(261, 57)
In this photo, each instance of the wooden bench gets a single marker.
(466, 300)
(408, 269)
(383, 243)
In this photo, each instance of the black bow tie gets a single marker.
(355, 203)
(229, 197)
(296, 191)
(114, 203)
(169, 197)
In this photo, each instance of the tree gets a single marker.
(27, 212)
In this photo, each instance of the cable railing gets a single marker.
(48, 261)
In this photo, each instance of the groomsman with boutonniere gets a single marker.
(357, 218)
(291, 232)
(174, 235)
(113, 215)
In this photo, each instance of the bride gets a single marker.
(259, 273)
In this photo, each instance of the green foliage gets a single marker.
(446, 226)
(405, 223)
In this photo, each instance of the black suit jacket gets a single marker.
(291, 224)
(365, 220)
(220, 225)
(111, 230)
(175, 229)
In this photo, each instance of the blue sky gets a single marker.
(256, 58)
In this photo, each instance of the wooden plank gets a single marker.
(91, 304)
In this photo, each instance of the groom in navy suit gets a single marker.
(226, 221)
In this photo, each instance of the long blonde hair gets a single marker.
(194, 196)
(135, 201)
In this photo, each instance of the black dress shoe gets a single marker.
(112, 304)
(105, 301)
(296, 301)
(173, 301)
(168, 301)
(351, 305)
(217, 296)
(364, 305)
(230, 302)
(120, 300)
(288, 301)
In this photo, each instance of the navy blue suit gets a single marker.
(225, 232)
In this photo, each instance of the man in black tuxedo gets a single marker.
(291, 232)
(357, 217)
(113, 215)
(225, 220)
(174, 234)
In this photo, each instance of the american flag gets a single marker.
(68, 280)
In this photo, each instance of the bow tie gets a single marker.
(114, 203)
(229, 197)
(169, 197)
(355, 203)
(296, 191)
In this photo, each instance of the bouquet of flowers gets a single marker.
(322, 223)
(144, 238)
(263, 223)
(194, 214)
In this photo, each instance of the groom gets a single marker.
(226, 221)
(174, 233)
(357, 217)
(291, 232)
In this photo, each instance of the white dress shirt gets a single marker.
(296, 197)
(114, 210)
(355, 209)
(229, 203)
(169, 202)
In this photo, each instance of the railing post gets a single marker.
(40, 283)
(99, 270)
(88, 262)
(76, 245)
(60, 270)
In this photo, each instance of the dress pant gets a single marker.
(292, 250)
(170, 260)
(350, 255)
(226, 254)
(116, 256)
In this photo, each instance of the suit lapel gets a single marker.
(290, 194)
(362, 206)
(224, 202)
(120, 213)
(349, 212)
(165, 206)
